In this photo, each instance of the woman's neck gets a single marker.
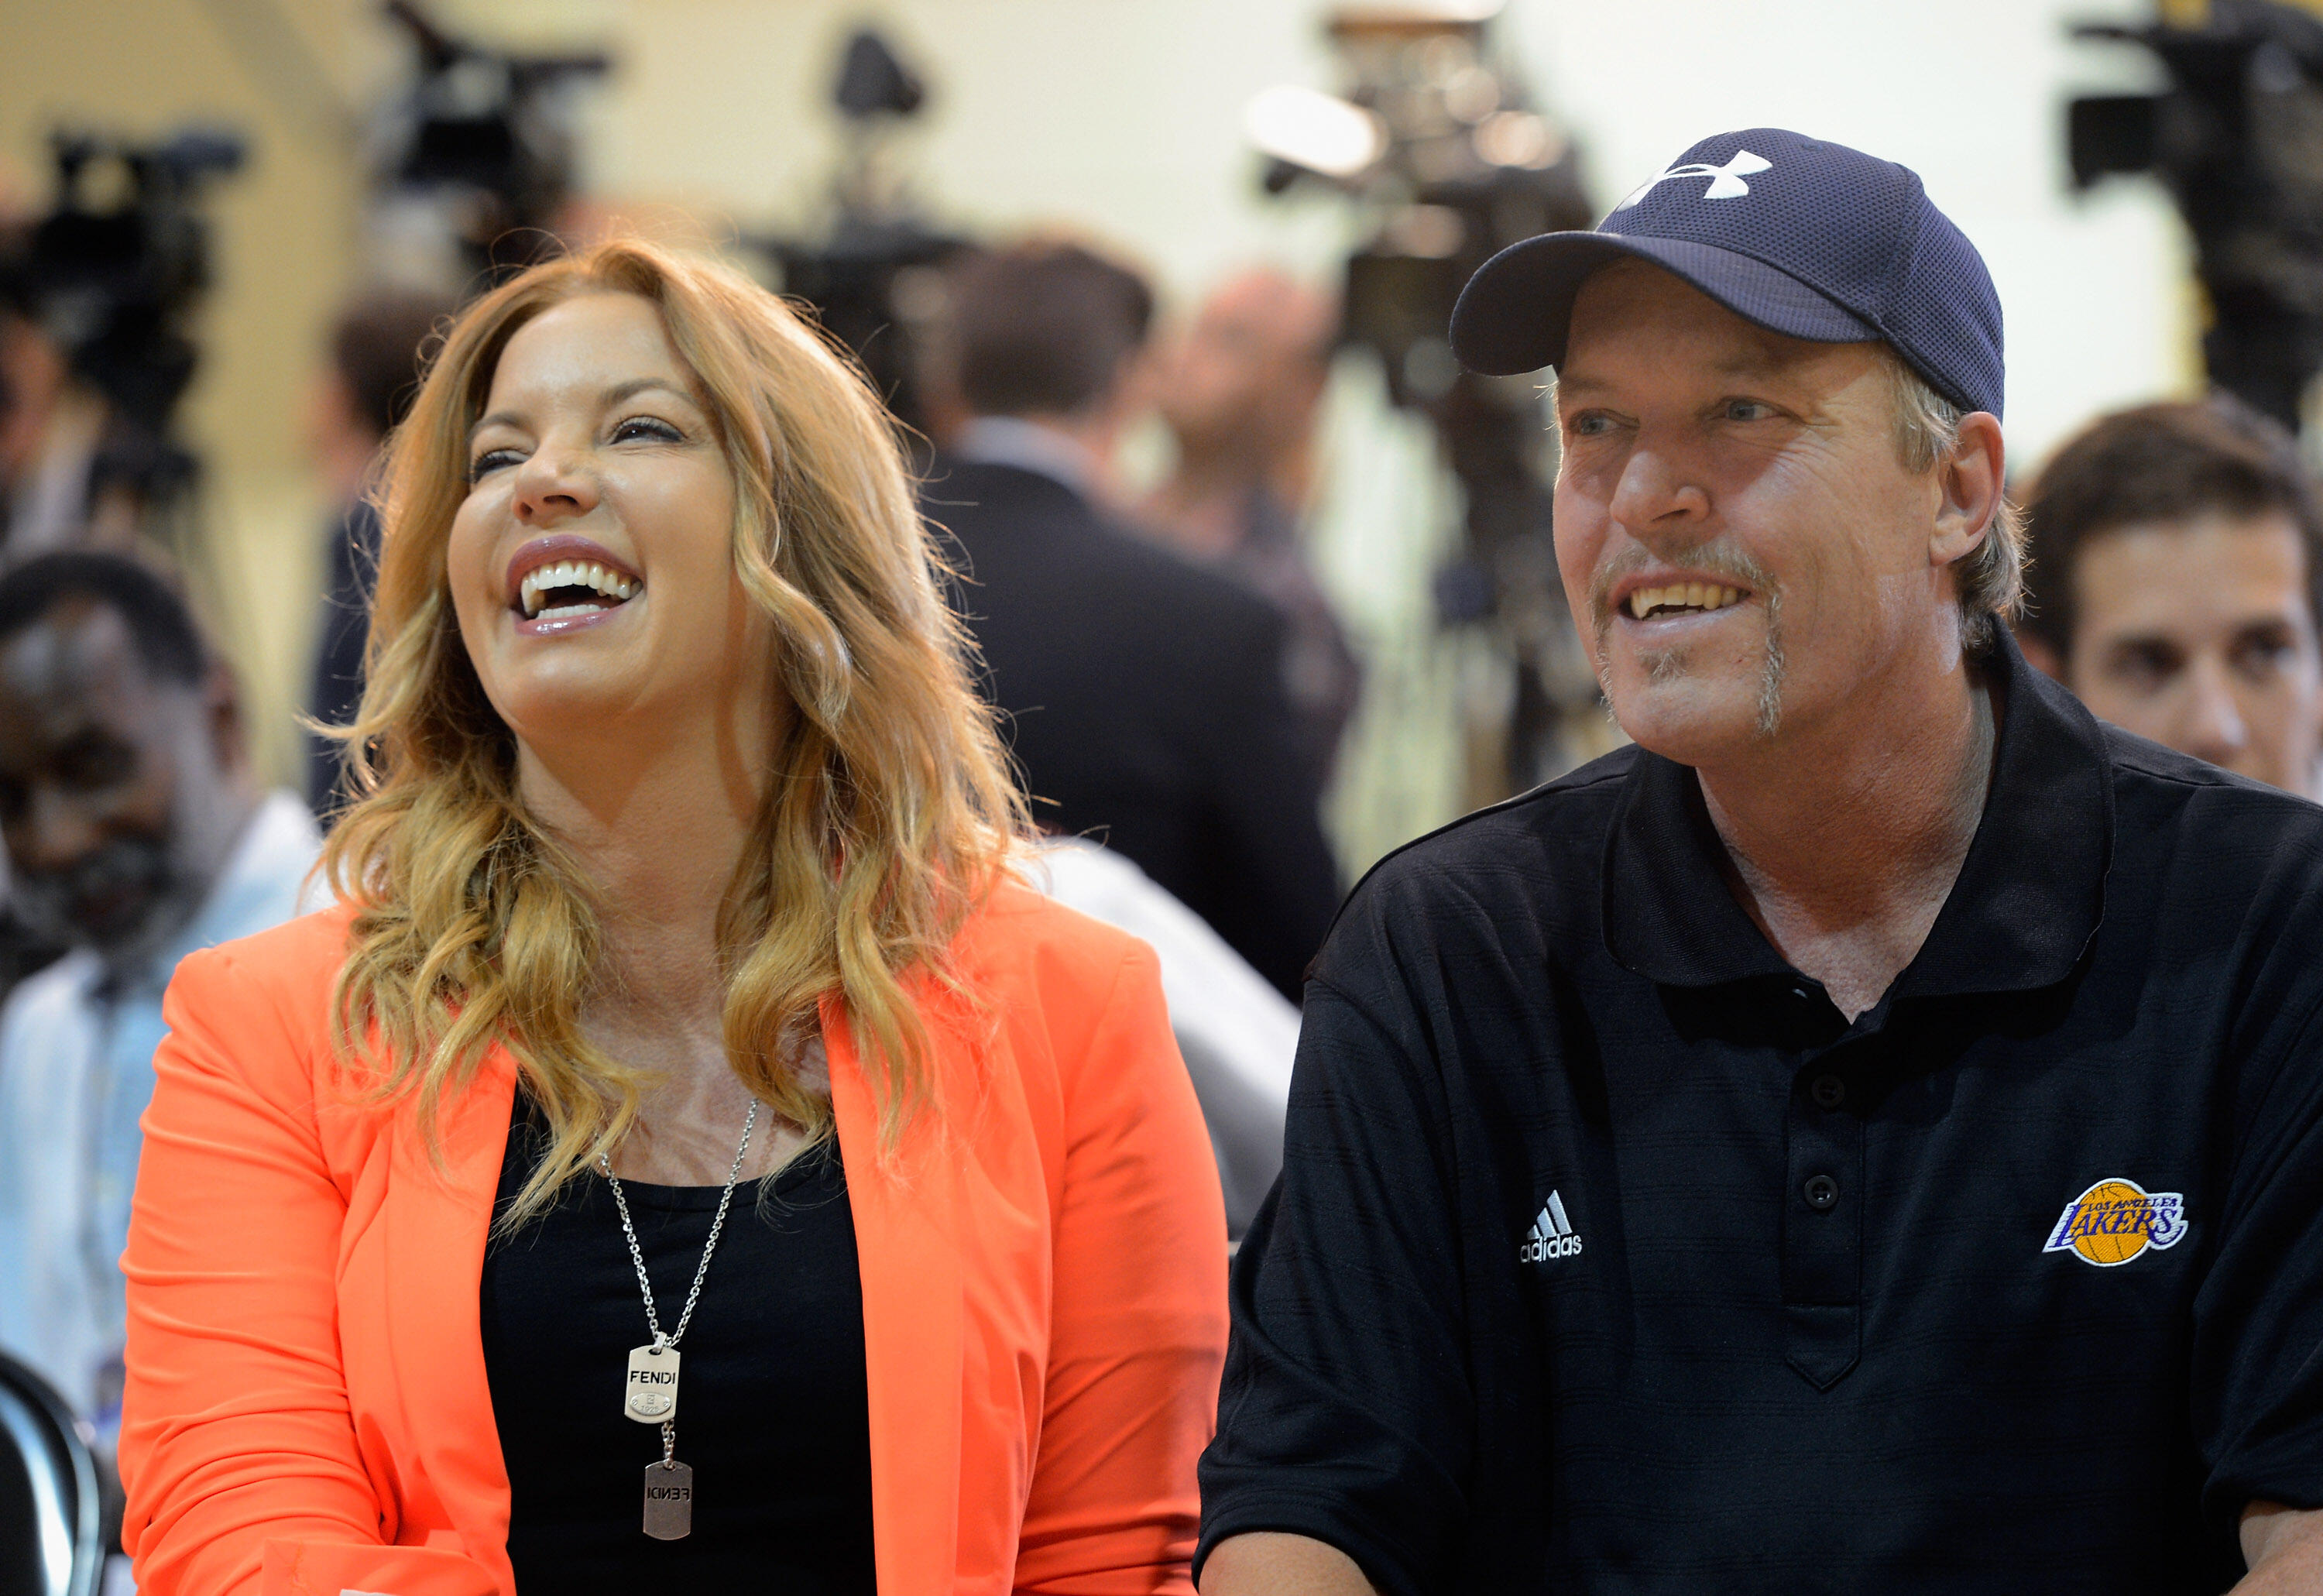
(657, 834)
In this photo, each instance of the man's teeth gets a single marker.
(539, 584)
(1682, 596)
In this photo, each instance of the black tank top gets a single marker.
(772, 1414)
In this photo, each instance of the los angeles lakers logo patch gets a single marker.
(2116, 1220)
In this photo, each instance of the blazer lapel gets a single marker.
(903, 1211)
(437, 1217)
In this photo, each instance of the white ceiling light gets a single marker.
(1319, 131)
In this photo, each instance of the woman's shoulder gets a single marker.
(302, 954)
(1020, 938)
(285, 974)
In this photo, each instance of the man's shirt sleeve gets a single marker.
(2257, 1336)
(1346, 1411)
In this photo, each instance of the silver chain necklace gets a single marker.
(650, 1397)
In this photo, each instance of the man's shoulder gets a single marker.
(1577, 805)
(1520, 862)
(1164, 581)
(2159, 789)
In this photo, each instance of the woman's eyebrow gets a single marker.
(497, 418)
(611, 397)
(638, 385)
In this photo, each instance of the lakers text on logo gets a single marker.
(2115, 1220)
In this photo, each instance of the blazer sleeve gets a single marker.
(1137, 1327)
(235, 1421)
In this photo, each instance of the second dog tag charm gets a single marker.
(669, 1500)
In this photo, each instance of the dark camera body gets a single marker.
(116, 285)
(2237, 138)
(860, 275)
(479, 132)
(1466, 170)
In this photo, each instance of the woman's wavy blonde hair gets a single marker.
(887, 809)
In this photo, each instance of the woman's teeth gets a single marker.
(1681, 596)
(579, 575)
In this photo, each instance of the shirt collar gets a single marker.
(1011, 440)
(2030, 894)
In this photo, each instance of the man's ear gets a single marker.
(1972, 481)
(2039, 654)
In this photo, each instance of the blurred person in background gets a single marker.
(137, 833)
(1144, 696)
(377, 348)
(1240, 389)
(2177, 579)
(689, 862)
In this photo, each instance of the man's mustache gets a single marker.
(1712, 559)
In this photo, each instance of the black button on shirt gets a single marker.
(773, 1414)
(1550, 1297)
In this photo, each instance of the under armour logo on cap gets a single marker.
(1725, 181)
(1833, 245)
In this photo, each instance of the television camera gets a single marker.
(111, 276)
(474, 161)
(2237, 140)
(872, 273)
(1442, 147)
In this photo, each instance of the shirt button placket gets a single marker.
(1823, 1230)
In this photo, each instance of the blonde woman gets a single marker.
(686, 1159)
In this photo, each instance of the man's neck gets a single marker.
(208, 835)
(344, 461)
(1204, 504)
(1845, 839)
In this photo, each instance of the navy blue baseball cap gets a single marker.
(1803, 237)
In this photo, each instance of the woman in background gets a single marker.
(681, 864)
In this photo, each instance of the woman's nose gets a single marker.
(551, 487)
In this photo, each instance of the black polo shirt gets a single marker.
(1609, 1256)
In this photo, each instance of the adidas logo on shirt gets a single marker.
(1551, 1235)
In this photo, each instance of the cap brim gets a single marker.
(1513, 313)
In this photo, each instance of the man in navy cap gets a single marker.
(1867, 1136)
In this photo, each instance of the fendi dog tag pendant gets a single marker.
(669, 1500)
(651, 1395)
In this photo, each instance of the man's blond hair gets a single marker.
(1991, 576)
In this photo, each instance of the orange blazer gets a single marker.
(1043, 1263)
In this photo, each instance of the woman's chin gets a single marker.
(571, 706)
